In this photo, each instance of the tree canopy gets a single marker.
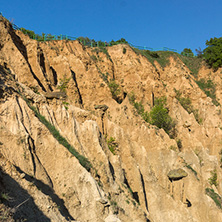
(187, 52)
(213, 53)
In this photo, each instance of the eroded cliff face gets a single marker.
(130, 183)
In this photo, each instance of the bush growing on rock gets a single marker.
(213, 178)
(159, 117)
(63, 83)
(114, 89)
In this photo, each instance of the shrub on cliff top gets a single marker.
(213, 52)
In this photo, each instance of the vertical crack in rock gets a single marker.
(112, 170)
(32, 154)
(29, 147)
(21, 47)
(32, 150)
(134, 194)
(144, 190)
(152, 99)
(41, 60)
(54, 74)
(103, 109)
(75, 130)
(102, 120)
(80, 96)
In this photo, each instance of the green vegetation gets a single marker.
(4, 197)
(93, 43)
(102, 49)
(209, 89)
(174, 148)
(199, 52)
(220, 153)
(179, 144)
(112, 145)
(114, 87)
(116, 208)
(30, 33)
(63, 83)
(94, 58)
(134, 202)
(124, 50)
(188, 166)
(113, 203)
(213, 52)
(66, 105)
(158, 115)
(115, 90)
(38, 37)
(82, 160)
(104, 76)
(213, 178)
(187, 105)
(193, 63)
(120, 41)
(215, 197)
(87, 41)
(162, 57)
(34, 89)
(187, 52)
(138, 106)
(84, 40)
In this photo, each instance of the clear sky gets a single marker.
(176, 24)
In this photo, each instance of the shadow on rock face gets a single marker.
(20, 203)
(47, 190)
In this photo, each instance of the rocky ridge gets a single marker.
(129, 159)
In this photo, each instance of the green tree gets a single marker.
(84, 40)
(187, 52)
(213, 53)
(122, 40)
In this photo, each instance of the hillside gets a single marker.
(77, 144)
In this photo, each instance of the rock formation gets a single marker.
(74, 147)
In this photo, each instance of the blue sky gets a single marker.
(176, 24)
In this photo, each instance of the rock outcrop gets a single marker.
(85, 153)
